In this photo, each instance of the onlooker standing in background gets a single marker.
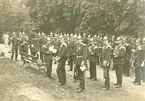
(15, 43)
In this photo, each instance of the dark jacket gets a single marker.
(106, 54)
(15, 42)
(92, 56)
(120, 59)
(82, 54)
(71, 48)
(63, 53)
(47, 53)
(128, 53)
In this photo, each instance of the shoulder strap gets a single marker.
(122, 47)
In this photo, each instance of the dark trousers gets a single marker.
(49, 68)
(106, 77)
(138, 73)
(143, 73)
(81, 77)
(34, 54)
(41, 56)
(126, 68)
(61, 73)
(14, 52)
(74, 58)
(71, 62)
(93, 70)
(119, 72)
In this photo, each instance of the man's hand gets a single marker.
(43, 46)
(105, 63)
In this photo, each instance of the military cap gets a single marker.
(43, 34)
(89, 36)
(61, 36)
(23, 33)
(51, 33)
(91, 40)
(71, 34)
(79, 37)
(14, 33)
(118, 38)
(55, 34)
(67, 34)
(105, 38)
(75, 36)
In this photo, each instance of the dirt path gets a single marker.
(25, 84)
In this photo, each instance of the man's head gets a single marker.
(119, 41)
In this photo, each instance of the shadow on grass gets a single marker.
(33, 70)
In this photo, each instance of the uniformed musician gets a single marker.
(80, 64)
(119, 60)
(106, 59)
(61, 72)
(48, 50)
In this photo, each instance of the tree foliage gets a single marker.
(13, 15)
(113, 17)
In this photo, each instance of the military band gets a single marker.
(82, 53)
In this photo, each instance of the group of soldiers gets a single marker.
(123, 52)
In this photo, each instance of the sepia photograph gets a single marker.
(72, 50)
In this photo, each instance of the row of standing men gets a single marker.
(80, 50)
